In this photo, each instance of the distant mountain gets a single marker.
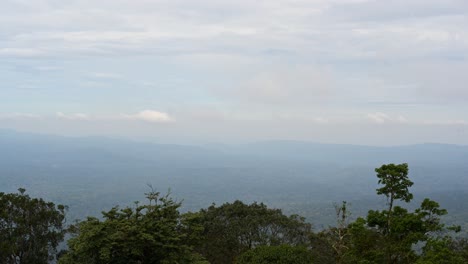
(352, 154)
(95, 173)
(25, 147)
(29, 148)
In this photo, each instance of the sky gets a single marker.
(373, 72)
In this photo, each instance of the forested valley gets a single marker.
(157, 232)
(72, 200)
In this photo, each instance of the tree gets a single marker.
(283, 254)
(389, 236)
(234, 228)
(30, 229)
(151, 233)
(396, 186)
(441, 251)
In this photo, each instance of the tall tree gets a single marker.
(389, 236)
(395, 186)
(30, 229)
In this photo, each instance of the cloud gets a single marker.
(311, 27)
(381, 118)
(321, 120)
(150, 116)
(320, 30)
(76, 116)
(105, 75)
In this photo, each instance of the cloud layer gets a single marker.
(210, 63)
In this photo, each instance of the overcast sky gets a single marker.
(373, 72)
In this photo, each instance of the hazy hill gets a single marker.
(92, 174)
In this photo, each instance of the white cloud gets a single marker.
(105, 75)
(321, 120)
(311, 27)
(381, 118)
(150, 116)
(75, 116)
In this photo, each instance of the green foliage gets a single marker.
(283, 254)
(30, 229)
(461, 247)
(233, 228)
(390, 236)
(441, 251)
(406, 230)
(395, 187)
(396, 182)
(364, 245)
(152, 233)
(321, 248)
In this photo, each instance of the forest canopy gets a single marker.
(157, 232)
